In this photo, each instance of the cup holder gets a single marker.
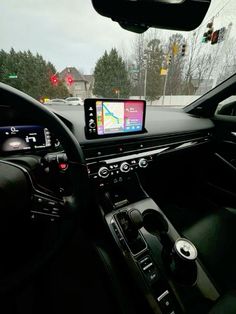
(179, 256)
(154, 222)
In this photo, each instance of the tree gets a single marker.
(228, 65)
(111, 77)
(32, 74)
(175, 74)
(154, 59)
(198, 63)
(138, 57)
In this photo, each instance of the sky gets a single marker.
(72, 33)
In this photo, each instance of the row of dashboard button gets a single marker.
(115, 169)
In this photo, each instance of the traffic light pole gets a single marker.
(165, 85)
(145, 84)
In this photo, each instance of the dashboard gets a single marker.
(112, 158)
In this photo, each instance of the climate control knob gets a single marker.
(143, 163)
(124, 167)
(103, 172)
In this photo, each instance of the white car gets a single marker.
(75, 101)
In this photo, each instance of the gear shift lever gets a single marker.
(136, 218)
(179, 256)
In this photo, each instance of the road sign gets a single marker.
(134, 71)
(12, 76)
(164, 72)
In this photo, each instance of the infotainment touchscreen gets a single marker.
(110, 117)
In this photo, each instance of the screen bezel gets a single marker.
(88, 102)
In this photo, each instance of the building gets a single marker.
(90, 84)
(78, 85)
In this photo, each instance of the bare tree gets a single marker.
(138, 64)
(191, 63)
(175, 75)
(203, 65)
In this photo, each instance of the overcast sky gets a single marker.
(70, 32)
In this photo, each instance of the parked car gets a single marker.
(56, 101)
(75, 101)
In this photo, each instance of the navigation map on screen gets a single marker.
(119, 117)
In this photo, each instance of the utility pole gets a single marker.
(145, 83)
(165, 85)
(168, 62)
(146, 57)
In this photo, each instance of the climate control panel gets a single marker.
(116, 169)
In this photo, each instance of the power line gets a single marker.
(216, 14)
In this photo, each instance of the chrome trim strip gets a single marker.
(42, 213)
(196, 139)
(134, 156)
(162, 295)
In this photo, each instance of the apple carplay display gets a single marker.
(106, 117)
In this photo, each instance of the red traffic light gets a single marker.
(215, 37)
(69, 79)
(54, 79)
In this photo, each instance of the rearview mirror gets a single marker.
(139, 15)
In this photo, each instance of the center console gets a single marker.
(164, 265)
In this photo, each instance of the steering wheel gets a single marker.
(18, 189)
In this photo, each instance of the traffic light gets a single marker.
(183, 50)
(54, 79)
(169, 59)
(69, 79)
(215, 37)
(208, 34)
(204, 38)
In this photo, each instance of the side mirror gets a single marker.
(139, 15)
(228, 109)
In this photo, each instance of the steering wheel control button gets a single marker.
(52, 203)
(124, 167)
(39, 200)
(143, 163)
(103, 172)
(43, 207)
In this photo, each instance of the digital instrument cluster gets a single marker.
(24, 138)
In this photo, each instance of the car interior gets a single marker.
(99, 221)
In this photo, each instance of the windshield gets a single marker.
(60, 49)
